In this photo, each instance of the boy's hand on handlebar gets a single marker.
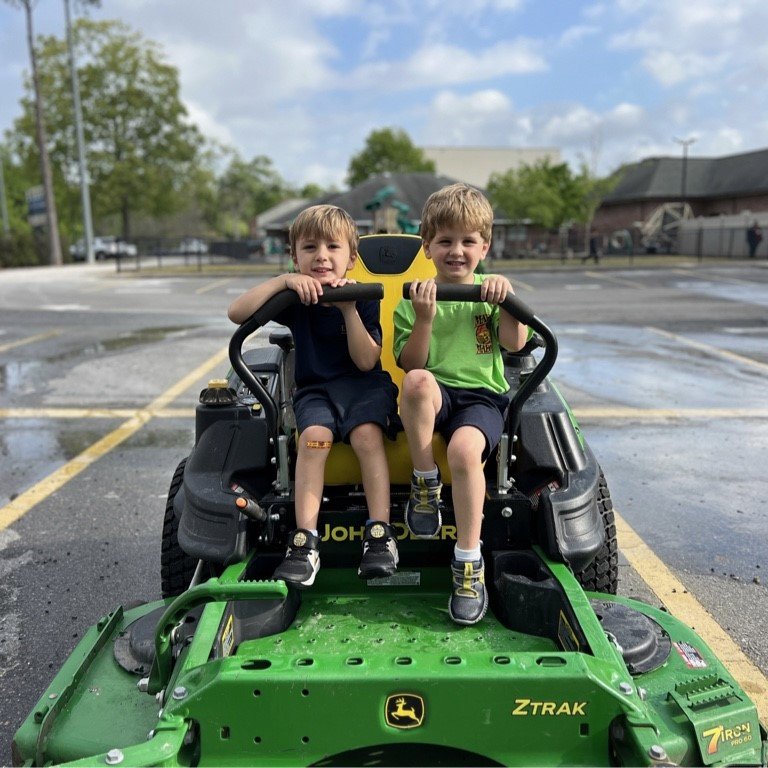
(423, 295)
(494, 289)
(337, 282)
(308, 288)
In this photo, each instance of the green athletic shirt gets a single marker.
(464, 350)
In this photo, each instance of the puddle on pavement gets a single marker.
(33, 448)
(18, 376)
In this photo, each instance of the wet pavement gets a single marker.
(665, 368)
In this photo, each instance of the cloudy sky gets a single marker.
(305, 81)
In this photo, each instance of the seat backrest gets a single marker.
(391, 260)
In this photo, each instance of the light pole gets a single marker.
(84, 190)
(685, 144)
(3, 203)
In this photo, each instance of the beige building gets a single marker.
(474, 165)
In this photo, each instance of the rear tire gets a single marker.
(176, 567)
(602, 574)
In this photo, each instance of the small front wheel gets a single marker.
(602, 574)
(176, 567)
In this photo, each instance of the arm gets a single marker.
(415, 352)
(512, 333)
(363, 349)
(246, 304)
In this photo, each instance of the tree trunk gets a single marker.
(45, 163)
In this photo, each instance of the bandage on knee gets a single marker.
(319, 444)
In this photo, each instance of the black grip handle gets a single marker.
(448, 292)
(270, 309)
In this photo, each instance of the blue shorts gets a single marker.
(479, 408)
(347, 402)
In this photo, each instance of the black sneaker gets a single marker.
(379, 551)
(302, 560)
(422, 513)
(469, 600)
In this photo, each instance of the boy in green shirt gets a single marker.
(455, 381)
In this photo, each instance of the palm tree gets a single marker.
(52, 218)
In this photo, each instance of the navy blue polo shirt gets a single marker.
(320, 337)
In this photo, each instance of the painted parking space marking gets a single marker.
(701, 275)
(29, 340)
(92, 413)
(212, 286)
(25, 501)
(715, 351)
(613, 279)
(685, 607)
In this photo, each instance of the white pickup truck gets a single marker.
(108, 247)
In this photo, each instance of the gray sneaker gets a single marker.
(422, 513)
(379, 552)
(302, 560)
(469, 600)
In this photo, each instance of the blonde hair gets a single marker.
(457, 205)
(325, 222)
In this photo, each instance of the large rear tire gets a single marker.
(176, 567)
(602, 574)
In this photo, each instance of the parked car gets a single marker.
(103, 248)
(193, 245)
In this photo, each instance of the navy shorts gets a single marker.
(345, 403)
(480, 408)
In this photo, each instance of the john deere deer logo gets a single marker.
(404, 710)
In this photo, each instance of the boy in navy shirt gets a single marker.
(342, 393)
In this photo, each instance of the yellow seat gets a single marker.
(390, 260)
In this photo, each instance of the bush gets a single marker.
(21, 249)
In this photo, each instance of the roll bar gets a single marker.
(522, 312)
(270, 309)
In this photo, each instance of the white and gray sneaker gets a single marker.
(380, 556)
(302, 560)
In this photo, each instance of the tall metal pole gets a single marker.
(685, 144)
(3, 203)
(85, 193)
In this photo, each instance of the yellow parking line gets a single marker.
(685, 607)
(28, 340)
(595, 413)
(91, 413)
(34, 495)
(214, 284)
(724, 353)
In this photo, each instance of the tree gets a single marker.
(545, 194)
(388, 149)
(41, 140)
(142, 150)
(246, 189)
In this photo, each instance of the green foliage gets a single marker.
(388, 149)
(142, 151)
(544, 194)
(21, 249)
(246, 189)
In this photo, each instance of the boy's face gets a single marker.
(456, 254)
(323, 259)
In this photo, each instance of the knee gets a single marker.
(464, 455)
(315, 441)
(417, 385)
(366, 438)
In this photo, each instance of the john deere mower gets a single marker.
(234, 668)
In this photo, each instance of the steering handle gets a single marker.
(270, 309)
(524, 314)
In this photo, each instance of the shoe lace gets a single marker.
(465, 579)
(428, 495)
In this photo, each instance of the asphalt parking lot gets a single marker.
(664, 366)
